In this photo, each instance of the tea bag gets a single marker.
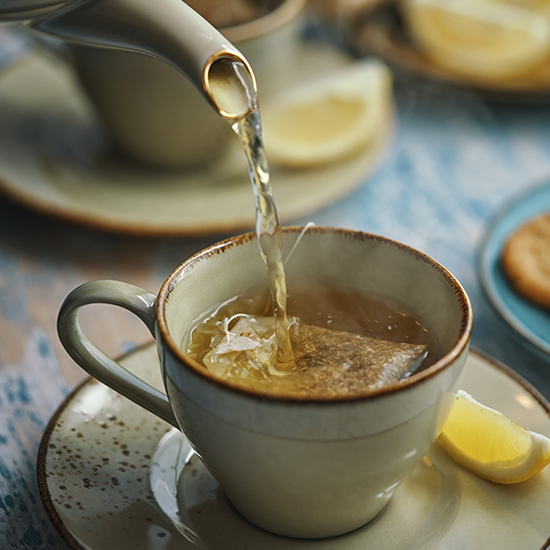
(327, 362)
(340, 363)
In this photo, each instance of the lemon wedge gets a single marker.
(484, 38)
(487, 443)
(329, 117)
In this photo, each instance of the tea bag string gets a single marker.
(297, 241)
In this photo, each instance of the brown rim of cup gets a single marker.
(286, 11)
(458, 348)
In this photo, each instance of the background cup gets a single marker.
(296, 467)
(155, 115)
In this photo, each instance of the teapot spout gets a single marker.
(168, 30)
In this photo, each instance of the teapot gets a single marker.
(168, 30)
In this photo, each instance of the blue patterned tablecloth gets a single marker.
(454, 161)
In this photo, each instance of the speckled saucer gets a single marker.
(113, 477)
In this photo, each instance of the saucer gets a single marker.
(54, 158)
(529, 322)
(380, 31)
(113, 476)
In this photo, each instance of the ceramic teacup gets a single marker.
(305, 468)
(155, 115)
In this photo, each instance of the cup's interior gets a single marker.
(340, 258)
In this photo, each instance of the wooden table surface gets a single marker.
(453, 162)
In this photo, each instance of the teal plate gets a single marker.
(529, 322)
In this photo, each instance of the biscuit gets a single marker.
(525, 260)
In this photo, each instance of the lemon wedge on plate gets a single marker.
(328, 118)
(485, 38)
(490, 445)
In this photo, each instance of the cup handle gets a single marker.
(96, 363)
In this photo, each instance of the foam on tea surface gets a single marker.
(344, 343)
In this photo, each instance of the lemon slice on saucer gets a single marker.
(485, 38)
(328, 118)
(487, 443)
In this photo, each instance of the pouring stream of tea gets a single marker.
(233, 91)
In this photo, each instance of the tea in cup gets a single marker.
(314, 463)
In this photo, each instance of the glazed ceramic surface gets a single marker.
(327, 467)
(54, 158)
(156, 115)
(303, 467)
(106, 483)
(529, 322)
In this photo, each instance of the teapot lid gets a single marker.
(20, 10)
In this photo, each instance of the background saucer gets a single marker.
(382, 32)
(53, 159)
(529, 322)
(96, 459)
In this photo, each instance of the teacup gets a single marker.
(155, 115)
(306, 468)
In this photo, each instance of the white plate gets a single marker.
(53, 159)
(96, 469)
